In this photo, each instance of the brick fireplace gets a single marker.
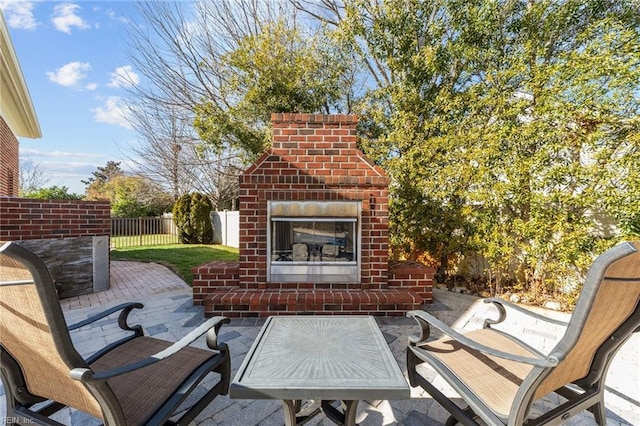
(313, 232)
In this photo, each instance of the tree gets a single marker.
(418, 60)
(181, 162)
(135, 196)
(52, 193)
(563, 132)
(164, 150)
(191, 214)
(216, 174)
(275, 70)
(130, 196)
(32, 177)
(95, 185)
(503, 125)
(180, 49)
(507, 123)
(227, 65)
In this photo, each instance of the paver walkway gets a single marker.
(170, 314)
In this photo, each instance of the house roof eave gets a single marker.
(16, 107)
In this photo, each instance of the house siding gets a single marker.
(9, 164)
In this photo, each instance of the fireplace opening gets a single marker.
(311, 241)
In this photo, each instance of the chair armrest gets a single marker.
(126, 309)
(211, 327)
(425, 319)
(500, 304)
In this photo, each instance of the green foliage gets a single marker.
(53, 193)
(133, 196)
(100, 177)
(130, 196)
(507, 127)
(201, 218)
(631, 226)
(191, 214)
(275, 70)
(182, 218)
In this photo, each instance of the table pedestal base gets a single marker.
(296, 414)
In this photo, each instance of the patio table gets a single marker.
(320, 359)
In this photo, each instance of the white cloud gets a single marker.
(66, 168)
(69, 74)
(29, 152)
(113, 112)
(113, 15)
(124, 77)
(91, 86)
(64, 18)
(19, 14)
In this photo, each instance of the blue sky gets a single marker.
(73, 58)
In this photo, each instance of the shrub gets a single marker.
(191, 214)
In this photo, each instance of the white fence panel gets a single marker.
(226, 228)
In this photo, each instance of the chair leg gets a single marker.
(11, 388)
(597, 400)
(465, 416)
(452, 421)
(225, 369)
(412, 362)
(598, 410)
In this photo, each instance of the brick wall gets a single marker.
(26, 219)
(412, 276)
(212, 277)
(9, 166)
(71, 237)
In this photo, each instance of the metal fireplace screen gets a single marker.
(313, 241)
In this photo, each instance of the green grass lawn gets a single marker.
(180, 258)
(143, 240)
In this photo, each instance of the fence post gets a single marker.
(140, 229)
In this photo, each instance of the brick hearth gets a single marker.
(313, 159)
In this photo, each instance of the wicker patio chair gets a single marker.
(133, 381)
(499, 376)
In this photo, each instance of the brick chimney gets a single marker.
(314, 158)
(314, 189)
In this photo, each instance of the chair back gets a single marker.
(33, 331)
(607, 307)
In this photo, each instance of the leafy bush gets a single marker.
(134, 196)
(630, 226)
(52, 193)
(191, 214)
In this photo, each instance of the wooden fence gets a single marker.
(142, 231)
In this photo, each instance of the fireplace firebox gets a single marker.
(311, 241)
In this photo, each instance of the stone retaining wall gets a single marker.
(71, 236)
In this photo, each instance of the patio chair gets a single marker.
(133, 381)
(499, 376)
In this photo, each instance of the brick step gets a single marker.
(237, 302)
